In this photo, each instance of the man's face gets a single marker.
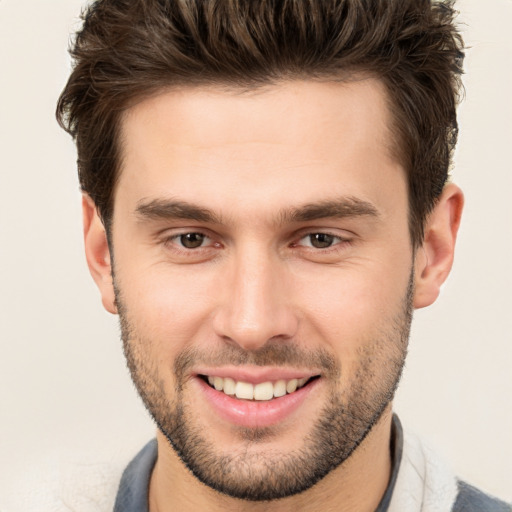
(261, 243)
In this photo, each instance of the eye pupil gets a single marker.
(321, 240)
(192, 240)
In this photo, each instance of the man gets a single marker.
(266, 200)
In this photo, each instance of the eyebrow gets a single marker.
(335, 209)
(169, 209)
(164, 209)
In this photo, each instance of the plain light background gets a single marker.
(63, 381)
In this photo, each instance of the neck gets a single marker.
(357, 485)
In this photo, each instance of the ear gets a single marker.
(97, 253)
(434, 258)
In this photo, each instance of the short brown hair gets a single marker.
(128, 49)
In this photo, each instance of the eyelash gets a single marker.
(335, 246)
(338, 243)
(174, 241)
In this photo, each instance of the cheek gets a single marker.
(349, 308)
(170, 308)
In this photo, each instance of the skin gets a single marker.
(251, 159)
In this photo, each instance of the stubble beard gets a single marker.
(259, 475)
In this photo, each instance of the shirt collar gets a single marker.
(133, 492)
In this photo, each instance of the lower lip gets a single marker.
(255, 414)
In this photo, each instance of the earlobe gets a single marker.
(97, 253)
(434, 258)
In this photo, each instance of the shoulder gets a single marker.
(87, 481)
(470, 499)
(426, 484)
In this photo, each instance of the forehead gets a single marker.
(295, 141)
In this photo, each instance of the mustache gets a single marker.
(273, 353)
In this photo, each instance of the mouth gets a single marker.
(261, 392)
(256, 398)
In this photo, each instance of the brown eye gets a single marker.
(321, 240)
(192, 240)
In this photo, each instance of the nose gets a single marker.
(254, 304)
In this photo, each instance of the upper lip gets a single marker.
(256, 374)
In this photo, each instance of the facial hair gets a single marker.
(259, 475)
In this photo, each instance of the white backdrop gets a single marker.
(62, 377)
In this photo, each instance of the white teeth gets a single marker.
(244, 390)
(280, 388)
(229, 386)
(262, 391)
(218, 382)
(291, 386)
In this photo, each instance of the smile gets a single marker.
(255, 397)
(263, 391)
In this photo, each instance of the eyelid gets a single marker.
(173, 232)
(169, 237)
(343, 236)
(204, 241)
(337, 240)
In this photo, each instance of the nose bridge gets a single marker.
(255, 308)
